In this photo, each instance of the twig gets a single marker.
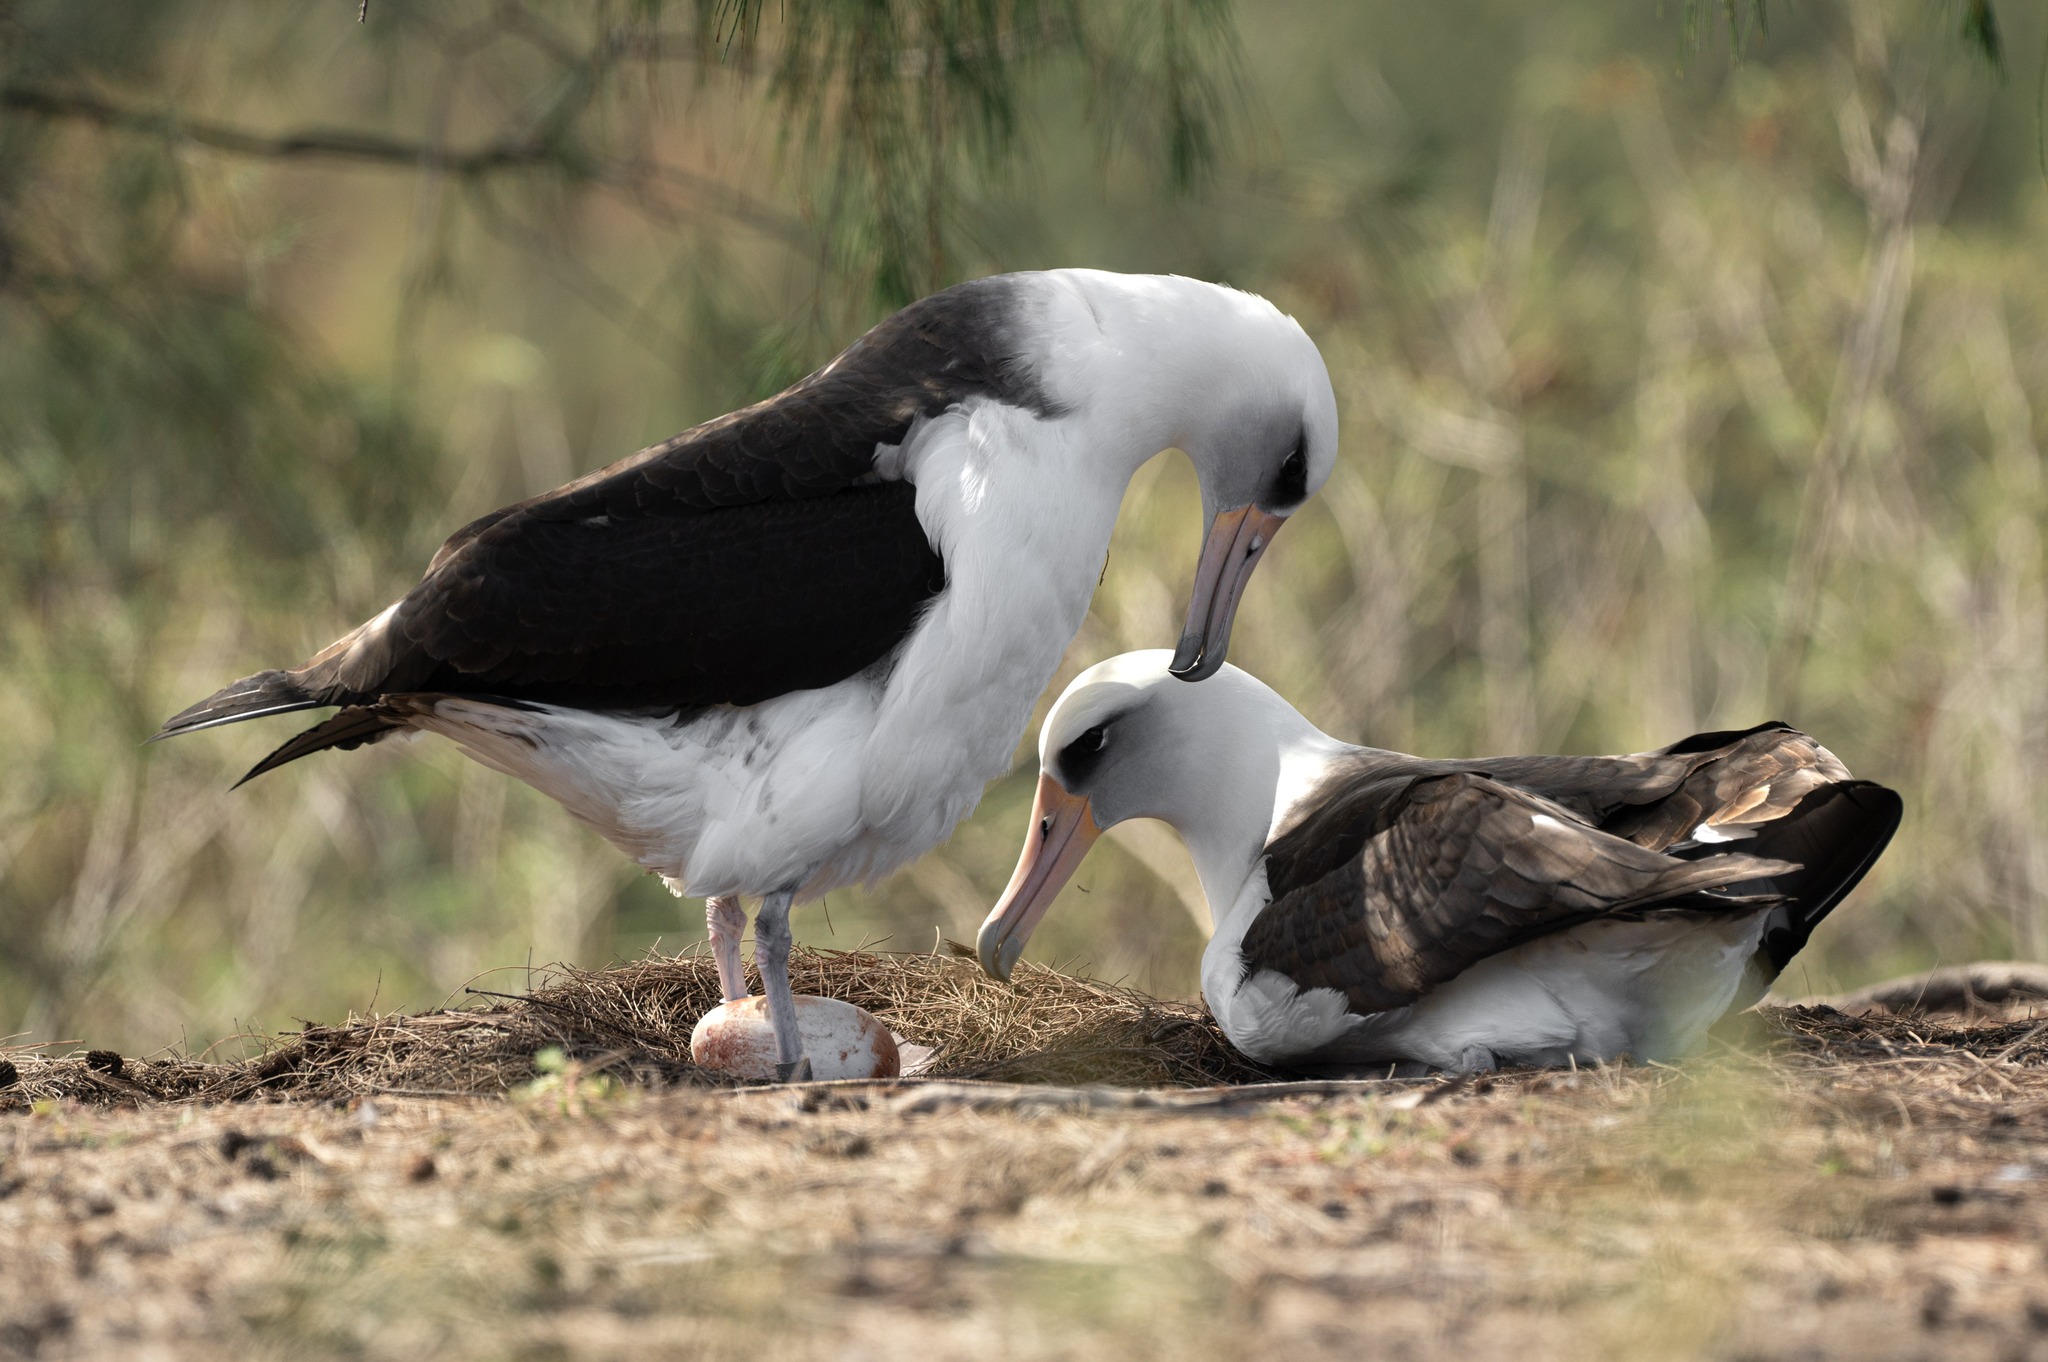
(339, 143)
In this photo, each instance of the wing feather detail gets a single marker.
(1452, 868)
(1359, 847)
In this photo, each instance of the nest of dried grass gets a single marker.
(1825, 1032)
(633, 1021)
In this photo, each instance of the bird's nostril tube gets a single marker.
(1045, 826)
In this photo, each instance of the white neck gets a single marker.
(1022, 510)
(1022, 506)
(1270, 758)
(1227, 853)
(1240, 760)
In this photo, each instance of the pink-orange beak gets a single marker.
(1062, 829)
(1235, 543)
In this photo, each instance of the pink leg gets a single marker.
(727, 921)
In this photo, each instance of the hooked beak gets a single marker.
(1062, 829)
(1235, 543)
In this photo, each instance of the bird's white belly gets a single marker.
(1648, 989)
(738, 799)
(733, 800)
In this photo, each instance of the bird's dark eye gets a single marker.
(1078, 758)
(1291, 485)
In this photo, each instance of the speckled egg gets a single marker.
(842, 1041)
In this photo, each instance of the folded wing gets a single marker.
(1426, 875)
(758, 554)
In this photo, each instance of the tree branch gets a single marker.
(336, 143)
(633, 178)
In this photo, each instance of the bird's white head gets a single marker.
(1127, 740)
(1153, 362)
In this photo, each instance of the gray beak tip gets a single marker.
(997, 956)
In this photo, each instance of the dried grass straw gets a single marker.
(633, 1022)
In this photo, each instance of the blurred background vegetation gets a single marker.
(1688, 368)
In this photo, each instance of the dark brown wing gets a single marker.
(1733, 783)
(1438, 871)
(728, 606)
(1835, 834)
(751, 556)
(1770, 791)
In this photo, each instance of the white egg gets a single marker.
(842, 1041)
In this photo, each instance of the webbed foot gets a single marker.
(1477, 1059)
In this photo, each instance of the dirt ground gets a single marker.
(1833, 1189)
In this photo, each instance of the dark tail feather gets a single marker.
(1835, 834)
(353, 727)
(252, 697)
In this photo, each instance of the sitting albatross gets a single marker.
(1372, 907)
(785, 650)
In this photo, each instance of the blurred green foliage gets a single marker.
(1685, 383)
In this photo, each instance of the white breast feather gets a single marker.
(1270, 1018)
(1267, 1015)
(1022, 554)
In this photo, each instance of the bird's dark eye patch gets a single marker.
(1080, 757)
(1291, 485)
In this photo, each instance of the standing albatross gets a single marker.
(786, 650)
(1372, 907)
